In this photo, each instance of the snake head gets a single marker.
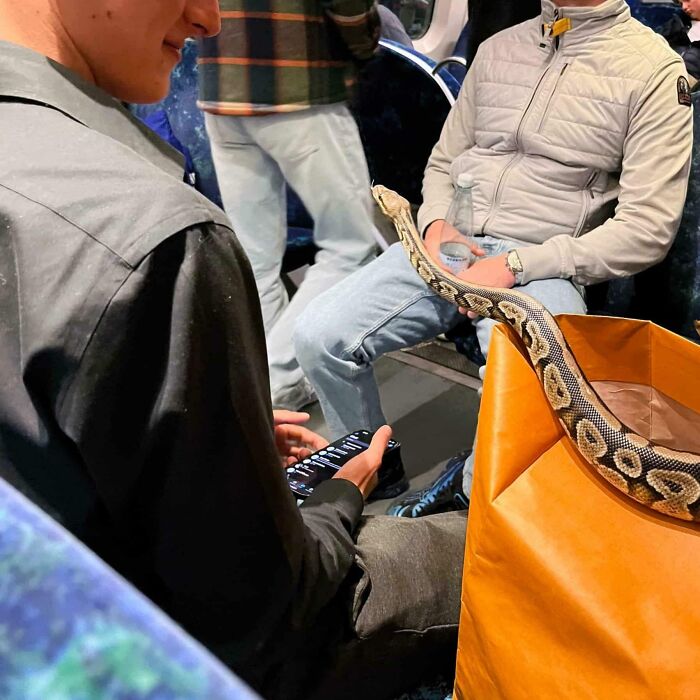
(390, 203)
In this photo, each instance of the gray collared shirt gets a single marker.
(135, 404)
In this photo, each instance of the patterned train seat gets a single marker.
(73, 629)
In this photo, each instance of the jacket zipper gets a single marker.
(545, 115)
(499, 188)
(516, 157)
(588, 197)
(519, 130)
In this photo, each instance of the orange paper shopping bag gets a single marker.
(571, 589)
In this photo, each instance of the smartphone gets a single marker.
(304, 476)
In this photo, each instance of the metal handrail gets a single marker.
(450, 59)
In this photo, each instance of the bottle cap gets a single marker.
(465, 180)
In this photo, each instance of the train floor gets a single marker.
(432, 416)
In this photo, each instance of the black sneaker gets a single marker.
(392, 481)
(443, 495)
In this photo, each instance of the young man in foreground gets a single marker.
(135, 405)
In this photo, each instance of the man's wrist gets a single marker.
(427, 228)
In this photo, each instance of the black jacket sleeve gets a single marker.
(171, 414)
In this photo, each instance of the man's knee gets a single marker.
(558, 296)
(394, 598)
(316, 335)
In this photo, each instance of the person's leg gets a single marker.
(404, 617)
(320, 155)
(252, 190)
(383, 306)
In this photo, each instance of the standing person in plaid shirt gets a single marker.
(273, 86)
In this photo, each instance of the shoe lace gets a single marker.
(424, 502)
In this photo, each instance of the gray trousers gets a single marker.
(401, 607)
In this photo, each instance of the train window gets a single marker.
(415, 15)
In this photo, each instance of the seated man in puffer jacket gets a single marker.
(577, 129)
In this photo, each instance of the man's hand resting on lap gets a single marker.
(489, 272)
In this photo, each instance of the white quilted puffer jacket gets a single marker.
(560, 133)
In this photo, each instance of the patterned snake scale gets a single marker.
(665, 480)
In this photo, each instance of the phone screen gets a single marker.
(306, 475)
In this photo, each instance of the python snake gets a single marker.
(665, 480)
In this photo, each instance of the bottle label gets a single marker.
(456, 256)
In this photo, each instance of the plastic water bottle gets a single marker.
(456, 240)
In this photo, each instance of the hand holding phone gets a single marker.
(362, 470)
(356, 457)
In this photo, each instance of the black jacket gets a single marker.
(135, 402)
(675, 31)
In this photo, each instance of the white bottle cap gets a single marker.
(465, 180)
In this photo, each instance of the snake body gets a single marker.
(666, 480)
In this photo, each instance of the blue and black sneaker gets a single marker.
(443, 495)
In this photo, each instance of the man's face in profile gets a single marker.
(691, 8)
(132, 46)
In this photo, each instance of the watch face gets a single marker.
(514, 262)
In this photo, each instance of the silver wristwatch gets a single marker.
(515, 266)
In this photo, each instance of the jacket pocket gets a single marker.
(588, 196)
(548, 106)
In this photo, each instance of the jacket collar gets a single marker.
(28, 76)
(585, 21)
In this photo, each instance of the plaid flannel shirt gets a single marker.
(284, 55)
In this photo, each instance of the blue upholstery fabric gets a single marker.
(462, 45)
(653, 14)
(72, 629)
(186, 120)
(158, 121)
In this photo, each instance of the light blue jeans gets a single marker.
(386, 306)
(319, 153)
